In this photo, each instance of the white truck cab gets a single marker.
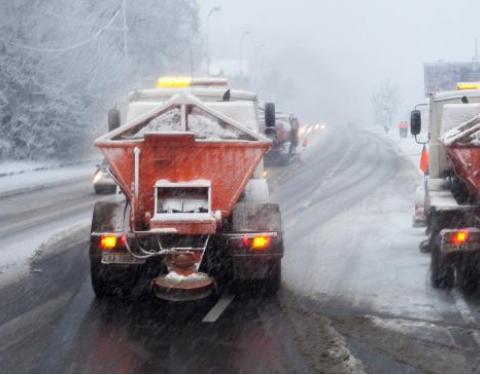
(447, 110)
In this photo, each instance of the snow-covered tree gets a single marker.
(384, 104)
(63, 63)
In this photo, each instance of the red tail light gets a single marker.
(257, 243)
(110, 241)
(460, 237)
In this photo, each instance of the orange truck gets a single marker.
(195, 212)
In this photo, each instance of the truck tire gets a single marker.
(272, 284)
(442, 271)
(270, 115)
(106, 284)
(114, 119)
(468, 273)
(261, 217)
(108, 280)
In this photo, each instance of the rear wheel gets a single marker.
(468, 273)
(274, 280)
(442, 271)
(108, 280)
(108, 283)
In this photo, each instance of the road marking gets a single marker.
(307, 204)
(217, 310)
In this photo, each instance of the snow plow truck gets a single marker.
(194, 213)
(452, 187)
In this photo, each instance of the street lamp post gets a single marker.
(125, 30)
(242, 38)
(213, 10)
(259, 64)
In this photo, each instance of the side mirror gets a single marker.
(114, 120)
(270, 118)
(415, 122)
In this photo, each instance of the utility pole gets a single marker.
(213, 10)
(259, 63)
(475, 57)
(125, 31)
(241, 72)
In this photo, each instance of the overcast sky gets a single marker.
(336, 52)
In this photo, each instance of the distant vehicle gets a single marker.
(403, 129)
(452, 186)
(285, 138)
(103, 183)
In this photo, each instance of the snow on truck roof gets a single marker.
(455, 114)
(457, 94)
(241, 111)
(173, 117)
(204, 93)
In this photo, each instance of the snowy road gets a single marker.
(29, 219)
(351, 256)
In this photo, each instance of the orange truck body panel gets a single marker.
(228, 165)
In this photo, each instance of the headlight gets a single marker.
(98, 176)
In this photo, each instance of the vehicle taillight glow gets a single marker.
(460, 237)
(98, 176)
(257, 243)
(261, 243)
(108, 242)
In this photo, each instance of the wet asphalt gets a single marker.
(350, 252)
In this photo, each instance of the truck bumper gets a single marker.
(459, 241)
(253, 267)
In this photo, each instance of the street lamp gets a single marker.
(242, 38)
(213, 10)
(259, 64)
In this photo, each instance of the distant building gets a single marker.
(444, 76)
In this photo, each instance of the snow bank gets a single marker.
(15, 183)
(16, 167)
(20, 253)
(407, 148)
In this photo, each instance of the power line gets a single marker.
(69, 48)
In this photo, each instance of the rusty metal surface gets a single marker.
(466, 163)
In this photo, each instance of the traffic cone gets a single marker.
(305, 142)
(424, 160)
